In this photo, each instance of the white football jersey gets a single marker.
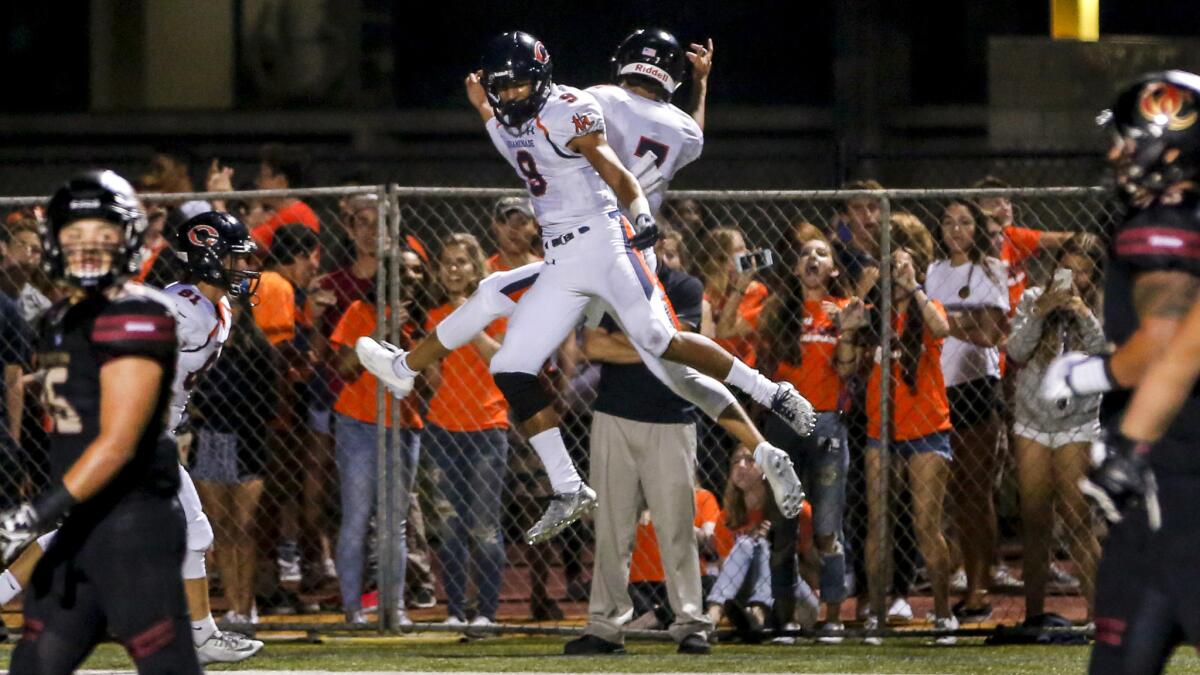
(636, 126)
(201, 329)
(563, 186)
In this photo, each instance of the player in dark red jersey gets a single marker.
(106, 356)
(1147, 600)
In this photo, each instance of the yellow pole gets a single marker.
(1075, 20)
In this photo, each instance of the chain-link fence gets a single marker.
(945, 488)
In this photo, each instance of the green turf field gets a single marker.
(525, 654)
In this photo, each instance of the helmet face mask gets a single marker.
(512, 60)
(90, 248)
(93, 230)
(1155, 135)
(216, 249)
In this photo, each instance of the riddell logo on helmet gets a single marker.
(1163, 100)
(85, 204)
(203, 235)
(657, 73)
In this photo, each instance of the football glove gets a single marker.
(18, 529)
(1076, 374)
(21, 525)
(645, 232)
(1121, 479)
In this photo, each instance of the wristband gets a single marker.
(52, 505)
(640, 206)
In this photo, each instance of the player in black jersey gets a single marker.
(1147, 599)
(106, 356)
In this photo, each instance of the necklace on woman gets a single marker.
(965, 291)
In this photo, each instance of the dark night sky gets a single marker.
(768, 52)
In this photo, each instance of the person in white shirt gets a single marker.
(973, 288)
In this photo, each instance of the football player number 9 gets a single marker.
(66, 420)
(537, 183)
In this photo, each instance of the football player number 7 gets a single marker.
(537, 182)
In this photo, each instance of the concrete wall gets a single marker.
(1045, 94)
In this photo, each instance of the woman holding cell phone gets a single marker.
(727, 268)
(1053, 442)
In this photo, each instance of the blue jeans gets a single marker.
(358, 468)
(822, 461)
(471, 468)
(745, 574)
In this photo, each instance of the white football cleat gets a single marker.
(794, 409)
(781, 475)
(377, 357)
(563, 510)
(227, 647)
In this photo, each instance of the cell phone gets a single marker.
(1062, 279)
(751, 261)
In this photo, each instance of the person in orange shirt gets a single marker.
(647, 577)
(280, 168)
(467, 439)
(516, 235)
(737, 298)
(801, 331)
(1016, 244)
(357, 462)
(286, 315)
(745, 578)
(920, 435)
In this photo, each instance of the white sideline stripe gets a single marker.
(430, 671)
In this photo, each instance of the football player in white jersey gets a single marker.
(214, 248)
(554, 137)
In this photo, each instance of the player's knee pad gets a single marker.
(485, 305)
(193, 565)
(652, 336)
(199, 534)
(524, 393)
(706, 393)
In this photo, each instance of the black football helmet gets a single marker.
(1157, 122)
(204, 241)
(654, 54)
(98, 194)
(516, 57)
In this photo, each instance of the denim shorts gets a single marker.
(938, 442)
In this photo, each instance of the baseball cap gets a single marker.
(505, 205)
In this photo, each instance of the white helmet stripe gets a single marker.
(654, 72)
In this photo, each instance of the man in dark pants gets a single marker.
(1146, 599)
(643, 454)
(106, 354)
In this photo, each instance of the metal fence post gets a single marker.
(883, 524)
(383, 530)
(397, 465)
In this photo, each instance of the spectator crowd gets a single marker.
(282, 443)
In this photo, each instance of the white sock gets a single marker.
(9, 587)
(553, 453)
(760, 453)
(401, 369)
(203, 629)
(752, 382)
